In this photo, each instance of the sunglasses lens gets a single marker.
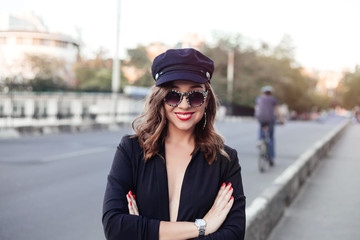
(196, 99)
(172, 98)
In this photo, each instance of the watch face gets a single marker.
(200, 222)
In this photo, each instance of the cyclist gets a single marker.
(266, 112)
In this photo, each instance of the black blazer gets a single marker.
(148, 181)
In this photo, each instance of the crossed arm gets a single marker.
(185, 230)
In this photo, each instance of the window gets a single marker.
(45, 42)
(19, 40)
(36, 41)
(62, 44)
(2, 40)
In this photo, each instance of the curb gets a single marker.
(267, 209)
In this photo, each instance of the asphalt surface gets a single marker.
(328, 205)
(52, 187)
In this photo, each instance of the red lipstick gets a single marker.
(184, 115)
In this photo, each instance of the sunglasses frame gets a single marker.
(186, 94)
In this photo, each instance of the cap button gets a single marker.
(208, 75)
(157, 76)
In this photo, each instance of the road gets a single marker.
(52, 187)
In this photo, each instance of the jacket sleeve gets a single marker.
(234, 224)
(117, 222)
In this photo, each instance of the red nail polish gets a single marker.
(231, 197)
(228, 184)
(128, 195)
(130, 204)
(134, 196)
(223, 184)
(230, 188)
(131, 193)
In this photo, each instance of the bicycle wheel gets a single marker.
(263, 158)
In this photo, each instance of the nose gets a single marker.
(184, 103)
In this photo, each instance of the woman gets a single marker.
(175, 178)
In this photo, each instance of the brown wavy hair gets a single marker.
(151, 126)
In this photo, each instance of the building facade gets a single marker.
(25, 35)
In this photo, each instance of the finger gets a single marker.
(222, 187)
(225, 197)
(128, 197)
(136, 211)
(229, 204)
(133, 203)
(228, 195)
(224, 192)
(132, 199)
(131, 210)
(130, 207)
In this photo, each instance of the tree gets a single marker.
(95, 75)
(349, 89)
(49, 73)
(256, 68)
(139, 60)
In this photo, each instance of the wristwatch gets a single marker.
(201, 225)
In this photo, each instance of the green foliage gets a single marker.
(138, 58)
(349, 89)
(40, 84)
(322, 102)
(96, 80)
(49, 73)
(95, 75)
(256, 68)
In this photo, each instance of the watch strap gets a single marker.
(201, 232)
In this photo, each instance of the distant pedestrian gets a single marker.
(187, 183)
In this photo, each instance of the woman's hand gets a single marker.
(133, 209)
(220, 209)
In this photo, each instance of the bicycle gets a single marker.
(263, 145)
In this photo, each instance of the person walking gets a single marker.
(175, 178)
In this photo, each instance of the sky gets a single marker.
(324, 32)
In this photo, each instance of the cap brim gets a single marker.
(188, 76)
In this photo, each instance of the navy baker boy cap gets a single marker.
(182, 64)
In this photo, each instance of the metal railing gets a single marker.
(26, 109)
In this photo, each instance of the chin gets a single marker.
(185, 127)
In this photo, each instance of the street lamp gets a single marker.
(230, 78)
(116, 77)
(115, 83)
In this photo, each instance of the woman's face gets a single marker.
(184, 116)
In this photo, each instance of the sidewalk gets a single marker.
(328, 206)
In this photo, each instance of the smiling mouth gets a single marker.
(184, 116)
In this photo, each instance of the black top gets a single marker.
(148, 181)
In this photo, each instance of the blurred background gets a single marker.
(72, 66)
(52, 53)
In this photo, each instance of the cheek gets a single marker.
(167, 110)
(202, 110)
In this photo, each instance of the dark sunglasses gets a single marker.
(195, 98)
